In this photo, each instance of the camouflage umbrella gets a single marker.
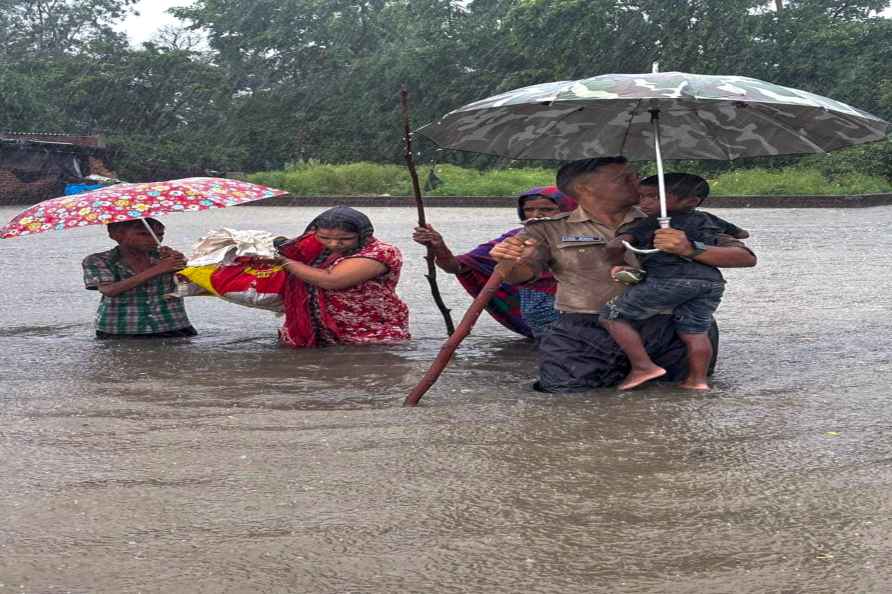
(649, 116)
(643, 117)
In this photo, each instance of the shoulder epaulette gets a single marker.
(558, 217)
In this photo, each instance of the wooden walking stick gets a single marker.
(431, 275)
(464, 328)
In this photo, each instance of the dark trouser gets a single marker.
(180, 333)
(577, 354)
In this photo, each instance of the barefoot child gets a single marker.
(690, 289)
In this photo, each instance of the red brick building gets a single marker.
(36, 166)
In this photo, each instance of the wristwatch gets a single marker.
(699, 248)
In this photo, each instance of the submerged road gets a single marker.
(226, 464)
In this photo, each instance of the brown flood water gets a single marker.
(226, 464)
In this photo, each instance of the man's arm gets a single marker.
(518, 259)
(728, 254)
(616, 251)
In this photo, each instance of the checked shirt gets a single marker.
(141, 310)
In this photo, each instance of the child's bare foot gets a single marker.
(694, 385)
(637, 377)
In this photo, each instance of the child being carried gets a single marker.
(690, 289)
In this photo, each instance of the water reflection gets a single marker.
(225, 460)
(246, 373)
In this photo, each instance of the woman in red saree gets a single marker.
(341, 284)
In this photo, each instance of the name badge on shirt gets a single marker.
(580, 238)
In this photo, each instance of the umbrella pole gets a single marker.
(464, 328)
(151, 232)
(661, 181)
(663, 219)
(431, 275)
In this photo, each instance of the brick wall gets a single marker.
(98, 167)
(13, 191)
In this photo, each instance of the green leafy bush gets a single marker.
(363, 178)
(459, 181)
(313, 179)
(873, 159)
(794, 181)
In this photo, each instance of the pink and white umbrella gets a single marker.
(127, 202)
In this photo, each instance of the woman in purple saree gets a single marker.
(528, 309)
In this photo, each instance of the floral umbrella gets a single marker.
(125, 202)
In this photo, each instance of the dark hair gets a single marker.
(344, 218)
(683, 185)
(121, 225)
(568, 172)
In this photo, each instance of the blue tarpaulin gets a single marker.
(78, 188)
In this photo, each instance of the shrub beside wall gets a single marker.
(352, 179)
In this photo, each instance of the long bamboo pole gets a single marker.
(431, 275)
(464, 328)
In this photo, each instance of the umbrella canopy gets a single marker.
(125, 202)
(700, 116)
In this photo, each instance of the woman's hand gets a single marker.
(427, 235)
(443, 257)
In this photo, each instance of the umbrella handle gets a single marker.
(632, 248)
(151, 232)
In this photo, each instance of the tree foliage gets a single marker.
(280, 81)
(52, 28)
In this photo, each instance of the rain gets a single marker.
(225, 462)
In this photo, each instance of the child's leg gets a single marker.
(638, 302)
(699, 355)
(692, 321)
(628, 339)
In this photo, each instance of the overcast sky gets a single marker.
(152, 16)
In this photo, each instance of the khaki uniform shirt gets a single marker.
(571, 246)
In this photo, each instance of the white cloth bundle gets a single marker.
(223, 246)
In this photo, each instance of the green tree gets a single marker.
(838, 49)
(290, 80)
(50, 28)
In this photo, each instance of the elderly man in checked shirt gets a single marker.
(134, 278)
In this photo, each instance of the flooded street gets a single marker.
(224, 463)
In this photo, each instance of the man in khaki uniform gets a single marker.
(577, 354)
